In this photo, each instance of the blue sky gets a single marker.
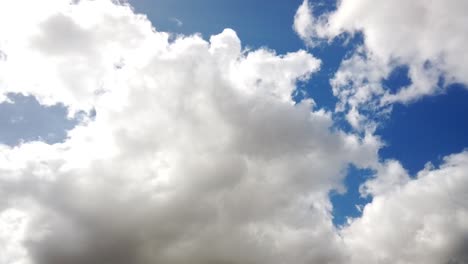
(410, 106)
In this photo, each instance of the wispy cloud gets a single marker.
(177, 21)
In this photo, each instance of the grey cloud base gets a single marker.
(197, 154)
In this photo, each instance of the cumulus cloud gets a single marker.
(304, 23)
(70, 51)
(197, 154)
(428, 37)
(424, 220)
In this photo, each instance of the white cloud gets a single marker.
(12, 230)
(390, 176)
(197, 152)
(424, 220)
(304, 23)
(428, 37)
(71, 50)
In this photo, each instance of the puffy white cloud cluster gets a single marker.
(424, 220)
(197, 154)
(427, 36)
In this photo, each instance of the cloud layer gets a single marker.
(197, 154)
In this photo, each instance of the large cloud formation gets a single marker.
(429, 37)
(196, 154)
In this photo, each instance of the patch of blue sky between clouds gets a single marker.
(427, 130)
(264, 24)
(23, 119)
(397, 79)
(349, 204)
(331, 54)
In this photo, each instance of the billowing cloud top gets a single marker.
(197, 154)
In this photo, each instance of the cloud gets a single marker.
(390, 175)
(308, 27)
(177, 21)
(76, 56)
(304, 23)
(423, 220)
(197, 152)
(12, 229)
(428, 37)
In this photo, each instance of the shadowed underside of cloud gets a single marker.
(197, 154)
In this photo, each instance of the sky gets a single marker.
(233, 131)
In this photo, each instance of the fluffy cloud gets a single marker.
(428, 37)
(70, 52)
(424, 220)
(197, 152)
(304, 23)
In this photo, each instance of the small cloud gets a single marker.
(16, 119)
(3, 56)
(360, 207)
(177, 21)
